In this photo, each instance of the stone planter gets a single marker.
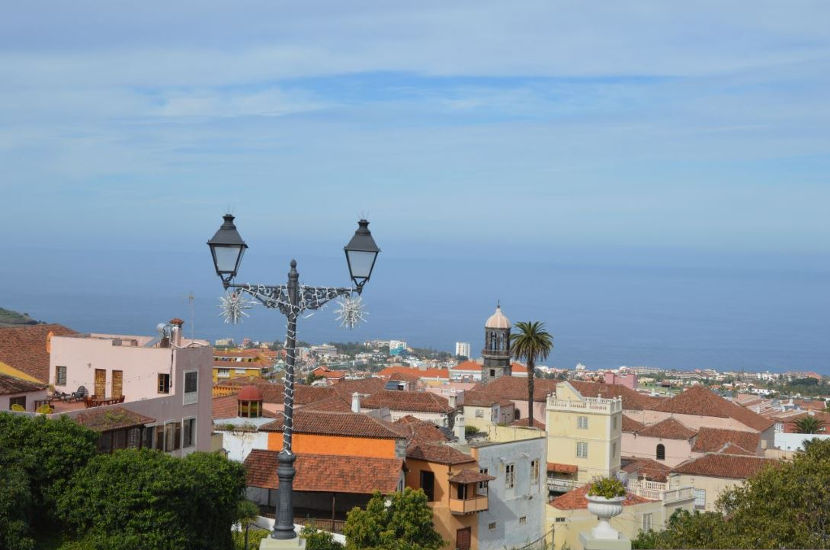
(605, 509)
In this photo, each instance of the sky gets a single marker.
(644, 133)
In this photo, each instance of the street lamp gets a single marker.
(227, 249)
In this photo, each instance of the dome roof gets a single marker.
(249, 393)
(497, 320)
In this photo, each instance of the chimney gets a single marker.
(458, 429)
(355, 402)
(452, 399)
(176, 336)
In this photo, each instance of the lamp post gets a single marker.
(227, 249)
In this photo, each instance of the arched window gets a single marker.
(661, 451)
(517, 414)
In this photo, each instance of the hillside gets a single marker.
(10, 318)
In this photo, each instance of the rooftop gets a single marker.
(336, 423)
(712, 440)
(576, 499)
(667, 429)
(12, 384)
(26, 348)
(102, 419)
(407, 401)
(725, 465)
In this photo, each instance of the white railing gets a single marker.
(659, 491)
(598, 404)
(558, 484)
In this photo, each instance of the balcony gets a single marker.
(660, 491)
(596, 404)
(561, 484)
(469, 506)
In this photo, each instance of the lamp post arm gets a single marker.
(309, 297)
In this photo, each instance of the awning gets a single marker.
(470, 476)
(562, 468)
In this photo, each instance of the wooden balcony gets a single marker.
(478, 503)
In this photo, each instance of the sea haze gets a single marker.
(668, 309)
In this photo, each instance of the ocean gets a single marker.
(604, 308)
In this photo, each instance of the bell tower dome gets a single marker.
(496, 352)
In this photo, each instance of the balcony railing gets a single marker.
(588, 404)
(561, 485)
(660, 491)
(468, 506)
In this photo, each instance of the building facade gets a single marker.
(496, 352)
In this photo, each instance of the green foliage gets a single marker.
(15, 501)
(607, 487)
(780, 507)
(530, 342)
(319, 540)
(254, 538)
(470, 431)
(809, 425)
(143, 499)
(404, 524)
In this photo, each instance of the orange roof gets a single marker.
(468, 366)
(335, 423)
(646, 468)
(228, 407)
(562, 468)
(417, 431)
(575, 499)
(438, 452)
(510, 387)
(631, 425)
(725, 465)
(416, 401)
(364, 386)
(631, 399)
(26, 348)
(711, 439)
(250, 393)
(409, 373)
(667, 429)
(326, 473)
(701, 401)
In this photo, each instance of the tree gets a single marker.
(319, 540)
(400, 521)
(809, 425)
(143, 499)
(530, 343)
(780, 507)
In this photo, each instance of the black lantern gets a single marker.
(227, 248)
(361, 253)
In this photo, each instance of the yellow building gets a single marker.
(229, 364)
(584, 436)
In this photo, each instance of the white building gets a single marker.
(463, 349)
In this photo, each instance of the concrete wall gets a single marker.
(501, 525)
(713, 486)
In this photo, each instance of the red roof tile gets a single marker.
(575, 499)
(470, 366)
(363, 386)
(631, 425)
(417, 431)
(645, 468)
(25, 348)
(102, 419)
(334, 403)
(515, 388)
(631, 400)
(667, 429)
(438, 452)
(724, 465)
(12, 384)
(335, 423)
(523, 422)
(416, 401)
(562, 468)
(470, 476)
(701, 401)
(327, 473)
(227, 407)
(711, 440)
(398, 372)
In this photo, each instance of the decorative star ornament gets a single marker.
(350, 312)
(232, 307)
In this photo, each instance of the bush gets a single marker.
(319, 540)
(607, 487)
(470, 431)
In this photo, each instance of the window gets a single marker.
(581, 449)
(164, 383)
(479, 413)
(428, 484)
(582, 422)
(191, 387)
(134, 438)
(491, 526)
(60, 376)
(523, 520)
(461, 491)
(661, 451)
(509, 479)
(159, 437)
(560, 520)
(147, 437)
(646, 522)
(534, 472)
(172, 436)
(482, 485)
(188, 432)
(20, 400)
(223, 373)
(700, 498)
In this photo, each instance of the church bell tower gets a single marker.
(496, 352)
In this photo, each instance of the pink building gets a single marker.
(167, 380)
(627, 380)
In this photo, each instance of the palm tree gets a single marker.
(530, 342)
(809, 425)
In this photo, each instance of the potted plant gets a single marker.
(605, 500)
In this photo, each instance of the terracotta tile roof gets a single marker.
(226, 407)
(275, 393)
(575, 499)
(335, 423)
(523, 422)
(363, 386)
(470, 476)
(645, 468)
(725, 465)
(326, 473)
(335, 403)
(631, 400)
(562, 468)
(468, 366)
(667, 429)
(474, 398)
(438, 452)
(12, 384)
(417, 431)
(701, 401)
(416, 401)
(102, 419)
(631, 425)
(511, 387)
(25, 348)
(711, 440)
(399, 372)
(733, 449)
